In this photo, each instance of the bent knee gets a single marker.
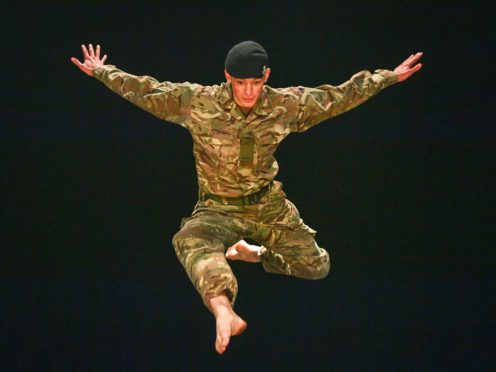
(324, 270)
(178, 239)
(319, 269)
(320, 272)
(184, 242)
(196, 241)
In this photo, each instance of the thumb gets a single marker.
(76, 61)
(82, 66)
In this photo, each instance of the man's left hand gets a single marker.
(408, 67)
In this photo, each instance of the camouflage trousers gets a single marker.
(274, 223)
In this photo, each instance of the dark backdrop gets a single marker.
(399, 190)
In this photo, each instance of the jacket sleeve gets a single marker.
(321, 103)
(166, 100)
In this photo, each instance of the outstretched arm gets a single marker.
(321, 103)
(166, 100)
(92, 59)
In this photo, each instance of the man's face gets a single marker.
(247, 91)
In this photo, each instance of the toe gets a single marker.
(218, 347)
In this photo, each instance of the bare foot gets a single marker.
(228, 323)
(243, 251)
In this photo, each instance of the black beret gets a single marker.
(247, 59)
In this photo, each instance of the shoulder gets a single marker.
(284, 96)
(187, 86)
(194, 92)
(288, 92)
(213, 96)
(208, 91)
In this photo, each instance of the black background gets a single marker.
(400, 191)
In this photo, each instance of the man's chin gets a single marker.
(247, 105)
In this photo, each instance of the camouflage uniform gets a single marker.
(234, 155)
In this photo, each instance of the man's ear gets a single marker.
(267, 73)
(228, 77)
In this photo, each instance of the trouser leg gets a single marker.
(295, 252)
(200, 247)
(291, 246)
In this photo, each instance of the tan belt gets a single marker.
(240, 200)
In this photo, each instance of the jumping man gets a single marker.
(236, 128)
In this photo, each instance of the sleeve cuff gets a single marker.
(98, 72)
(390, 77)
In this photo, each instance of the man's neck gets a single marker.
(245, 110)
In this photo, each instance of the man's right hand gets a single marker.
(92, 59)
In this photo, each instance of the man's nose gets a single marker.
(248, 90)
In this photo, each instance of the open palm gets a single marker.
(92, 59)
(408, 67)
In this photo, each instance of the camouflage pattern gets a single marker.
(289, 245)
(234, 156)
(234, 153)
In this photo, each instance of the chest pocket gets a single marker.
(216, 138)
(214, 132)
(247, 149)
(246, 163)
(274, 128)
(216, 144)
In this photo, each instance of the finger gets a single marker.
(81, 66)
(411, 59)
(85, 51)
(92, 51)
(414, 58)
(410, 72)
(417, 67)
(104, 58)
(76, 61)
(408, 61)
(98, 51)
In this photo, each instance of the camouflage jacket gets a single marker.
(234, 153)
